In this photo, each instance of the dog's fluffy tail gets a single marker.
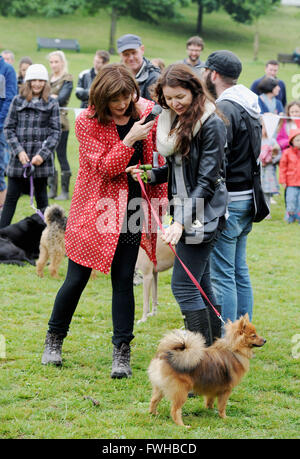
(182, 349)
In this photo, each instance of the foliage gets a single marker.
(248, 10)
(49, 8)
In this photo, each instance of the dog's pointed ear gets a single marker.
(246, 317)
(244, 321)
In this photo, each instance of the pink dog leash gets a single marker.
(191, 276)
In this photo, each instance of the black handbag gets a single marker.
(260, 208)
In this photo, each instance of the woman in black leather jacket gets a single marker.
(191, 135)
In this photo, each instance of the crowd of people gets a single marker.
(204, 139)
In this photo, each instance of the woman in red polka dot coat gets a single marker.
(111, 137)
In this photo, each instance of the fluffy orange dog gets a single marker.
(183, 364)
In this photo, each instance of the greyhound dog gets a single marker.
(165, 260)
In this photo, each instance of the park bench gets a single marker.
(286, 59)
(57, 43)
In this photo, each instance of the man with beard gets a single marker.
(229, 270)
(194, 47)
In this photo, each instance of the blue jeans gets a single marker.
(292, 199)
(3, 160)
(229, 271)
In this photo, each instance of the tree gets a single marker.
(205, 6)
(250, 11)
(144, 10)
(23, 8)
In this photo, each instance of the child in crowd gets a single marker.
(289, 176)
(32, 130)
(292, 111)
(269, 158)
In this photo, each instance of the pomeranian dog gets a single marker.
(52, 243)
(183, 364)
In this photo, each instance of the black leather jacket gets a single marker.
(203, 166)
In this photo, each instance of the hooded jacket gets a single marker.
(235, 103)
(101, 190)
(289, 166)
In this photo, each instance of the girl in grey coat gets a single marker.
(32, 130)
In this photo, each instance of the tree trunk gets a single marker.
(256, 41)
(199, 18)
(113, 29)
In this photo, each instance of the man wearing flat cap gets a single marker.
(131, 51)
(229, 270)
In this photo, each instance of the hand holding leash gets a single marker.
(172, 234)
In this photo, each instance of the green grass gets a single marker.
(47, 402)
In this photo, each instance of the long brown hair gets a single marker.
(181, 75)
(112, 81)
(26, 91)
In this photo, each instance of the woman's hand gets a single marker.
(37, 160)
(139, 131)
(134, 170)
(173, 233)
(23, 157)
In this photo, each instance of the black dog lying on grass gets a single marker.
(20, 241)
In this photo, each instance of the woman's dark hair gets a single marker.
(26, 91)
(181, 75)
(267, 85)
(24, 60)
(112, 81)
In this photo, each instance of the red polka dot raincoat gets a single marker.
(100, 196)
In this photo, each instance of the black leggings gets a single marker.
(61, 151)
(122, 272)
(18, 185)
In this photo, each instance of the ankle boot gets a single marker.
(65, 182)
(52, 183)
(199, 321)
(53, 346)
(215, 322)
(121, 362)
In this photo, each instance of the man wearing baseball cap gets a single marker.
(229, 270)
(131, 51)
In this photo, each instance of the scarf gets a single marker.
(164, 141)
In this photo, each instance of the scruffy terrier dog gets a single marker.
(183, 364)
(52, 243)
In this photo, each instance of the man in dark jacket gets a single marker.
(8, 89)
(229, 270)
(271, 70)
(86, 77)
(131, 51)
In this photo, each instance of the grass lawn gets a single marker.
(48, 402)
